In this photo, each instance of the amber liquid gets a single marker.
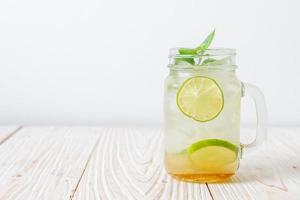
(180, 167)
(202, 178)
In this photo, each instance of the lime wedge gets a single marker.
(200, 98)
(212, 153)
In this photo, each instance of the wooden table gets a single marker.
(126, 163)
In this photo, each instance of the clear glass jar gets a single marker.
(202, 116)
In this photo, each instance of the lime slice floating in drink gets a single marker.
(211, 153)
(200, 98)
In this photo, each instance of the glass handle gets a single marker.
(261, 114)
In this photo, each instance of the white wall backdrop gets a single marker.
(104, 61)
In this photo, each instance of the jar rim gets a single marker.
(224, 59)
(173, 53)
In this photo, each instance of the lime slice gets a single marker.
(212, 153)
(200, 98)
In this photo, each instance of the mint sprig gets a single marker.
(199, 50)
(186, 51)
(206, 43)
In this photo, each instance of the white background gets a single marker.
(93, 62)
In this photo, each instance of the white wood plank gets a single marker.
(127, 164)
(272, 173)
(44, 163)
(7, 131)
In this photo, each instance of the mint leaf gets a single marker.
(206, 43)
(188, 60)
(208, 60)
(186, 51)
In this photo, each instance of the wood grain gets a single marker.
(44, 163)
(8, 131)
(127, 164)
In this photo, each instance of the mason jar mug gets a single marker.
(202, 100)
